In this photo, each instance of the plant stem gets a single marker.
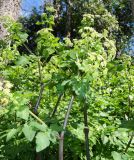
(129, 142)
(28, 49)
(37, 118)
(61, 139)
(57, 104)
(39, 65)
(40, 78)
(86, 131)
(39, 98)
(40, 72)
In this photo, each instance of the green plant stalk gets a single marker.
(28, 49)
(37, 118)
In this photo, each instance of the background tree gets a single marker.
(69, 14)
(9, 8)
(132, 7)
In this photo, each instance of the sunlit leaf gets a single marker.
(42, 141)
(11, 134)
(29, 132)
(23, 112)
(116, 155)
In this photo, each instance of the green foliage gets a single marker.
(84, 67)
(42, 141)
(116, 155)
(28, 132)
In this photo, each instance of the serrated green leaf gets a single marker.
(11, 134)
(105, 139)
(23, 112)
(53, 136)
(23, 60)
(42, 141)
(37, 126)
(23, 36)
(128, 124)
(56, 127)
(29, 132)
(116, 155)
(65, 82)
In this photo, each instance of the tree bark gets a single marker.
(61, 138)
(86, 131)
(68, 23)
(132, 7)
(8, 8)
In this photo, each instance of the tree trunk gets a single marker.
(132, 7)
(8, 8)
(61, 138)
(68, 23)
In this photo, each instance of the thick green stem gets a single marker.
(37, 118)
